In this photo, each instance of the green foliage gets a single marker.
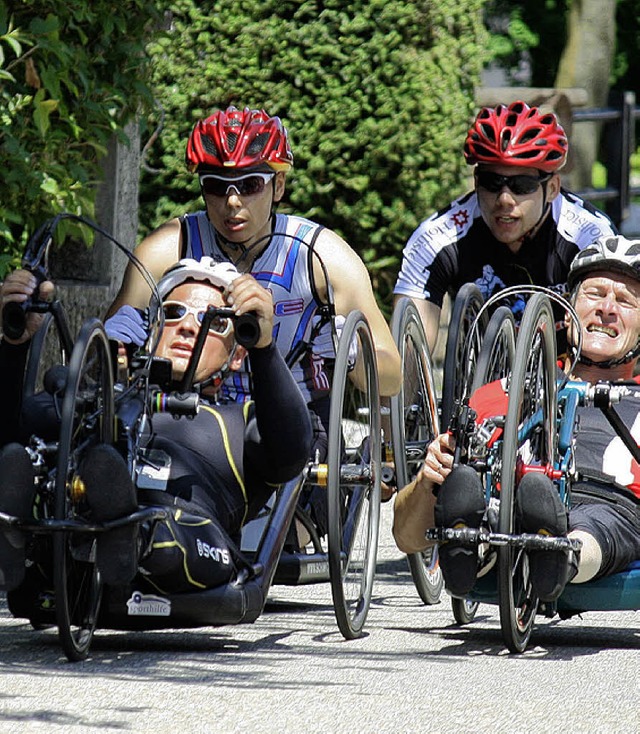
(528, 28)
(377, 96)
(71, 75)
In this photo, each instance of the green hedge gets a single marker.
(71, 74)
(377, 96)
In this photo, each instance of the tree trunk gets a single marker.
(586, 62)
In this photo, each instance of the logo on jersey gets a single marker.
(490, 283)
(288, 308)
(460, 218)
(221, 555)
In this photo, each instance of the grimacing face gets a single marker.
(608, 305)
(179, 338)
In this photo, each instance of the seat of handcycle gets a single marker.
(620, 591)
(140, 606)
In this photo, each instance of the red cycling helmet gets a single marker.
(517, 135)
(239, 139)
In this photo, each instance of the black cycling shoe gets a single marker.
(539, 510)
(460, 503)
(17, 490)
(111, 495)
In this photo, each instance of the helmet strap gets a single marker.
(217, 378)
(607, 364)
(546, 208)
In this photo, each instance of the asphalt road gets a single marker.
(291, 671)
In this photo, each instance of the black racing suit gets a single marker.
(222, 465)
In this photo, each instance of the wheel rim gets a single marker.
(532, 389)
(414, 424)
(355, 449)
(87, 417)
(461, 353)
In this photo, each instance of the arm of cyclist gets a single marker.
(430, 315)
(414, 505)
(279, 436)
(17, 288)
(352, 291)
(157, 252)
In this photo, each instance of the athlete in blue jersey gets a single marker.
(517, 227)
(242, 158)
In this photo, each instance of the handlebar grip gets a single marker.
(14, 319)
(247, 330)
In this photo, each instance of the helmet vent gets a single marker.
(257, 144)
(531, 135)
(208, 143)
(487, 131)
(232, 139)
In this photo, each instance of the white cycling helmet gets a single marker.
(609, 253)
(206, 270)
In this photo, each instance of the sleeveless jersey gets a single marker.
(455, 246)
(285, 269)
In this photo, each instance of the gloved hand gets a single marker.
(323, 343)
(127, 325)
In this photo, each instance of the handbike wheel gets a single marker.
(495, 361)
(528, 439)
(353, 482)
(414, 424)
(87, 418)
(497, 353)
(45, 350)
(460, 357)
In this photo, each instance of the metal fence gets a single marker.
(619, 144)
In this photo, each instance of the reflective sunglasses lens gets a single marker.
(244, 185)
(174, 311)
(218, 325)
(519, 185)
(251, 185)
(214, 186)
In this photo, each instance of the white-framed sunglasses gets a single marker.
(250, 184)
(175, 311)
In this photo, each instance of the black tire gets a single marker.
(495, 361)
(464, 610)
(87, 418)
(532, 388)
(460, 356)
(497, 353)
(414, 424)
(353, 483)
(45, 350)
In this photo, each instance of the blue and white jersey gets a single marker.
(285, 269)
(455, 246)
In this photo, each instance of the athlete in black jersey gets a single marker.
(517, 227)
(605, 498)
(216, 471)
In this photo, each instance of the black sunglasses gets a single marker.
(518, 185)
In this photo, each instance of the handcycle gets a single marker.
(535, 436)
(63, 586)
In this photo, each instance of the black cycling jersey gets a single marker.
(224, 462)
(455, 246)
